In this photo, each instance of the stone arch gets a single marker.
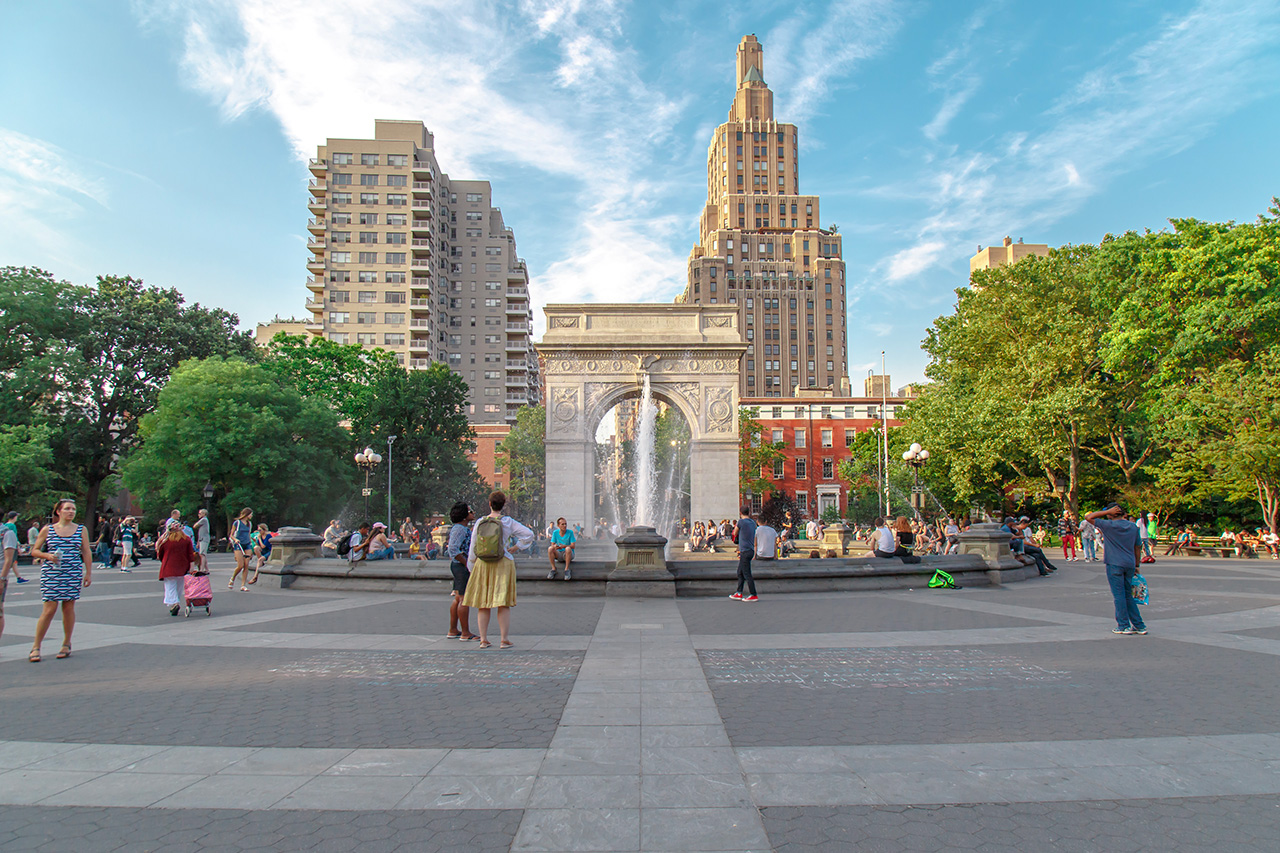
(597, 354)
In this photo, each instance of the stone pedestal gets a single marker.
(991, 542)
(641, 568)
(837, 540)
(291, 547)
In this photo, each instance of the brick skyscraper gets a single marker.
(760, 247)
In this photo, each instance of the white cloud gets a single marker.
(812, 52)
(910, 261)
(40, 190)
(549, 87)
(1153, 101)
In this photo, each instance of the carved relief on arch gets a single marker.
(719, 410)
(564, 407)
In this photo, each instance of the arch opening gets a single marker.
(642, 465)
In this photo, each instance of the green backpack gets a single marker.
(940, 580)
(489, 540)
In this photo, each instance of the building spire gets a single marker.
(753, 100)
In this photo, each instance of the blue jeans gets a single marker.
(1090, 548)
(1121, 579)
(744, 572)
(385, 554)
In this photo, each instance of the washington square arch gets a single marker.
(595, 355)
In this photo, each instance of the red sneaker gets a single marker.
(737, 596)
(751, 598)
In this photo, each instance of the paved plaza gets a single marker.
(1007, 719)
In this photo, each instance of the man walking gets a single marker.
(201, 540)
(745, 532)
(10, 534)
(1121, 552)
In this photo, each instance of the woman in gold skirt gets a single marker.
(492, 585)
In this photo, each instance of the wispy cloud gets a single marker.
(548, 87)
(955, 72)
(1190, 72)
(41, 188)
(818, 47)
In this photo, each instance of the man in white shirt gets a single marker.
(357, 554)
(766, 542)
(883, 538)
(812, 530)
(201, 539)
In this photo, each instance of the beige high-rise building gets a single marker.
(1007, 252)
(406, 259)
(761, 247)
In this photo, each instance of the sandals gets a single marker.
(64, 652)
(457, 636)
(468, 637)
(506, 644)
(34, 656)
(484, 644)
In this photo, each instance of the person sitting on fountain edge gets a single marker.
(562, 543)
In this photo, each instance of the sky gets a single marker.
(168, 139)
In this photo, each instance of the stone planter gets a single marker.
(641, 567)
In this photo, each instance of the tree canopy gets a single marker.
(255, 437)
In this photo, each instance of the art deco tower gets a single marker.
(761, 247)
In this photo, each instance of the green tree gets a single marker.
(26, 468)
(427, 412)
(526, 450)
(254, 436)
(755, 455)
(346, 375)
(1227, 431)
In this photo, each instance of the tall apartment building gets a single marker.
(406, 259)
(761, 247)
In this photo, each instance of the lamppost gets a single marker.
(391, 439)
(916, 456)
(366, 461)
(207, 491)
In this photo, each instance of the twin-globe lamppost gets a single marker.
(367, 460)
(916, 456)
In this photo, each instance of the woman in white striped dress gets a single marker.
(68, 566)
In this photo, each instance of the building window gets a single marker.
(367, 339)
(367, 257)
(366, 318)
(397, 159)
(801, 470)
(397, 180)
(475, 197)
(340, 257)
(368, 180)
(826, 438)
(368, 159)
(827, 468)
(393, 318)
(341, 159)
(802, 502)
(395, 257)
(339, 317)
(777, 435)
(341, 198)
(367, 296)
(395, 278)
(367, 276)
(340, 337)
(368, 198)
(395, 339)
(396, 199)
(778, 472)
(339, 296)
(849, 436)
(396, 238)
(800, 437)
(393, 297)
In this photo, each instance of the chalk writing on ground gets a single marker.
(385, 669)
(917, 670)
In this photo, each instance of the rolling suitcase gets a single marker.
(198, 592)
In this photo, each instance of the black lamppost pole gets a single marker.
(391, 439)
(366, 461)
(916, 456)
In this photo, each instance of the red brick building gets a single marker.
(817, 430)
(489, 461)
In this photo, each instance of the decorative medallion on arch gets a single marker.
(597, 354)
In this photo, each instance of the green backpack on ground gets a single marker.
(941, 580)
(489, 540)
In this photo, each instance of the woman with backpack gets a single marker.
(492, 585)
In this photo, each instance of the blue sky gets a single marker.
(168, 140)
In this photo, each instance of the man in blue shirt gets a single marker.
(562, 542)
(1121, 553)
(745, 532)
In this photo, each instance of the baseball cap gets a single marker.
(378, 524)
